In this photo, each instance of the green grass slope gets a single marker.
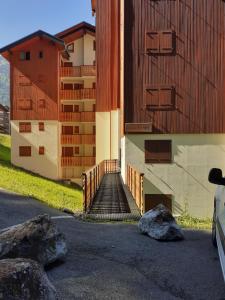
(25, 183)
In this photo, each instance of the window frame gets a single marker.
(157, 156)
(24, 127)
(23, 151)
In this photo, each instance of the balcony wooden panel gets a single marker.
(70, 117)
(78, 139)
(82, 71)
(78, 94)
(87, 116)
(86, 161)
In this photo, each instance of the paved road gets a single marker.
(114, 261)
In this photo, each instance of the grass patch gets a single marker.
(17, 180)
(186, 221)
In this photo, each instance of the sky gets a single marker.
(19, 18)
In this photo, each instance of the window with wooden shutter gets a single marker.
(158, 151)
(24, 127)
(67, 130)
(67, 64)
(94, 45)
(41, 126)
(41, 150)
(77, 150)
(68, 108)
(152, 200)
(76, 108)
(24, 151)
(67, 151)
(68, 86)
(160, 98)
(76, 129)
(160, 42)
(25, 104)
(70, 47)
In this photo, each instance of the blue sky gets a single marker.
(19, 18)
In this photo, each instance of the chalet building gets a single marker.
(52, 86)
(4, 119)
(160, 96)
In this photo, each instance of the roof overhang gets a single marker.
(82, 27)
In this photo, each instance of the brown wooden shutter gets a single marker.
(166, 97)
(158, 151)
(77, 150)
(25, 104)
(24, 151)
(152, 200)
(24, 127)
(67, 151)
(68, 86)
(68, 108)
(41, 126)
(162, 97)
(67, 64)
(152, 97)
(76, 129)
(167, 42)
(67, 130)
(153, 42)
(76, 108)
(41, 150)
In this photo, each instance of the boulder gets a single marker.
(37, 239)
(24, 279)
(159, 224)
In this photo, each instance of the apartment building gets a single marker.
(161, 68)
(53, 94)
(4, 119)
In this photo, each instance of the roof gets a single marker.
(4, 108)
(73, 29)
(38, 33)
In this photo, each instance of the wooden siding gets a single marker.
(107, 54)
(195, 69)
(34, 81)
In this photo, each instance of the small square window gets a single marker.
(41, 54)
(94, 45)
(41, 150)
(70, 47)
(25, 55)
(24, 151)
(158, 151)
(24, 127)
(41, 126)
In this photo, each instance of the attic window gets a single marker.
(161, 42)
(25, 55)
(70, 47)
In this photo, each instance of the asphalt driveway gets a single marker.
(114, 261)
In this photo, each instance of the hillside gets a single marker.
(4, 81)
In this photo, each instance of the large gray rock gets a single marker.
(24, 279)
(37, 239)
(159, 224)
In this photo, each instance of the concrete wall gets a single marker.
(186, 178)
(46, 165)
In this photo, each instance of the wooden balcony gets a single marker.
(78, 94)
(85, 116)
(78, 139)
(80, 71)
(86, 161)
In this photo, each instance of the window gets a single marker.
(24, 151)
(94, 45)
(94, 151)
(41, 54)
(25, 104)
(70, 47)
(41, 126)
(160, 42)
(67, 151)
(41, 150)
(94, 85)
(76, 108)
(158, 151)
(94, 129)
(25, 55)
(67, 64)
(68, 108)
(77, 150)
(76, 129)
(94, 62)
(68, 86)
(94, 107)
(159, 98)
(152, 200)
(24, 127)
(67, 130)
(41, 103)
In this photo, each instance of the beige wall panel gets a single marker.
(46, 165)
(186, 178)
(89, 53)
(102, 136)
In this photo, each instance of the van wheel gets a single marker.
(214, 229)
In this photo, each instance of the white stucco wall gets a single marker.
(46, 165)
(89, 53)
(186, 178)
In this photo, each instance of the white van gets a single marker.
(218, 225)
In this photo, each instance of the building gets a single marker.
(4, 119)
(52, 89)
(161, 81)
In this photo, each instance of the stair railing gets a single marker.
(92, 178)
(134, 181)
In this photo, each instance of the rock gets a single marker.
(24, 279)
(37, 239)
(159, 224)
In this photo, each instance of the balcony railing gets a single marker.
(85, 116)
(78, 94)
(78, 139)
(82, 71)
(86, 161)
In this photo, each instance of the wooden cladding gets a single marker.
(24, 127)
(25, 104)
(25, 151)
(158, 151)
(160, 97)
(138, 127)
(160, 42)
(152, 200)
